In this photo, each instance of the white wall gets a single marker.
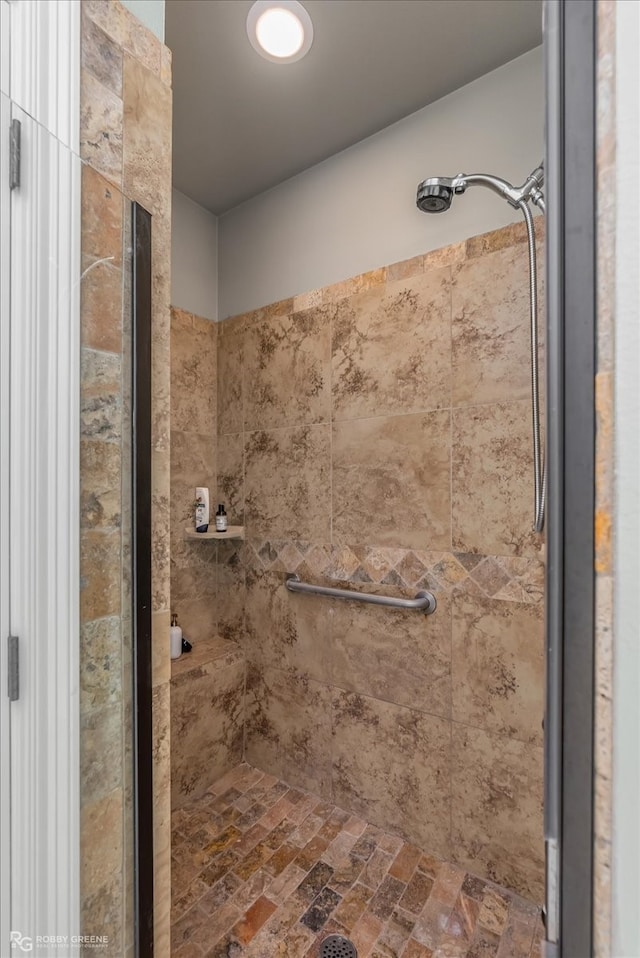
(356, 211)
(625, 864)
(150, 12)
(194, 258)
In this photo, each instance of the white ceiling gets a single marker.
(243, 124)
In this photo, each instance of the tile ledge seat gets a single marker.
(205, 653)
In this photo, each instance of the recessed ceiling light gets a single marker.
(280, 30)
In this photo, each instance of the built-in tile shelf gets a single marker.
(233, 532)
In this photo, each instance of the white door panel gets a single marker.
(45, 64)
(44, 503)
(5, 11)
(5, 302)
(39, 474)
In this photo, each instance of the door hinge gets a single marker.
(13, 689)
(14, 154)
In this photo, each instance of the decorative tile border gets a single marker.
(507, 578)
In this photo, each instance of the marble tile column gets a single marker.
(126, 151)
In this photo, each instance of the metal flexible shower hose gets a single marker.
(539, 470)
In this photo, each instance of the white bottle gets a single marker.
(202, 509)
(175, 637)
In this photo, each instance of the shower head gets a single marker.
(435, 195)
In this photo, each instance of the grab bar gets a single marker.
(423, 602)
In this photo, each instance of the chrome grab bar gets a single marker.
(423, 602)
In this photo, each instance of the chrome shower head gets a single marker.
(435, 195)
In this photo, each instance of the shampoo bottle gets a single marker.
(175, 637)
(221, 519)
(202, 509)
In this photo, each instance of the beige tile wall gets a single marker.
(207, 717)
(126, 151)
(606, 248)
(377, 434)
(193, 463)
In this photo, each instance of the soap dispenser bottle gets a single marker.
(221, 519)
(175, 633)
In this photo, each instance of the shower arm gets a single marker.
(531, 189)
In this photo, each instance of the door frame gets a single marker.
(570, 66)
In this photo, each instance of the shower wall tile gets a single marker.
(391, 767)
(446, 256)
(289, 727)
(100, 564)
(606, 173)
(104, 911)
(285, 631)
(511, 579)
(161, 813)
(230, 600)
(405, 269)
(100, 664)
(496, 809)
(101, 287)
(102, 223)
(101, 128)
(287, 370)
(391, 481)
(413, 670)
(230, 478)
(490, 313)
(391, 348)
(113, 40)
(197, 617)
(492, 498)
(498, 667)
(231, 346)
(100, 843)
(160, 534)
(287, 482)
(100, 492)
(207, 712)
(193, 374)
(354, 285)
(513, 235)
(101, 754)
(355, 702)
(100, 395)
(166, 67)
(101, 56)
(604, 472)
(160, 661)
(146, 151)
(126, 30)
(193, 463)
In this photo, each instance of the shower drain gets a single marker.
(335, 946)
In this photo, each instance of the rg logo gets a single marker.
(20, 941)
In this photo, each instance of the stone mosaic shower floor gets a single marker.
(262, 870)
